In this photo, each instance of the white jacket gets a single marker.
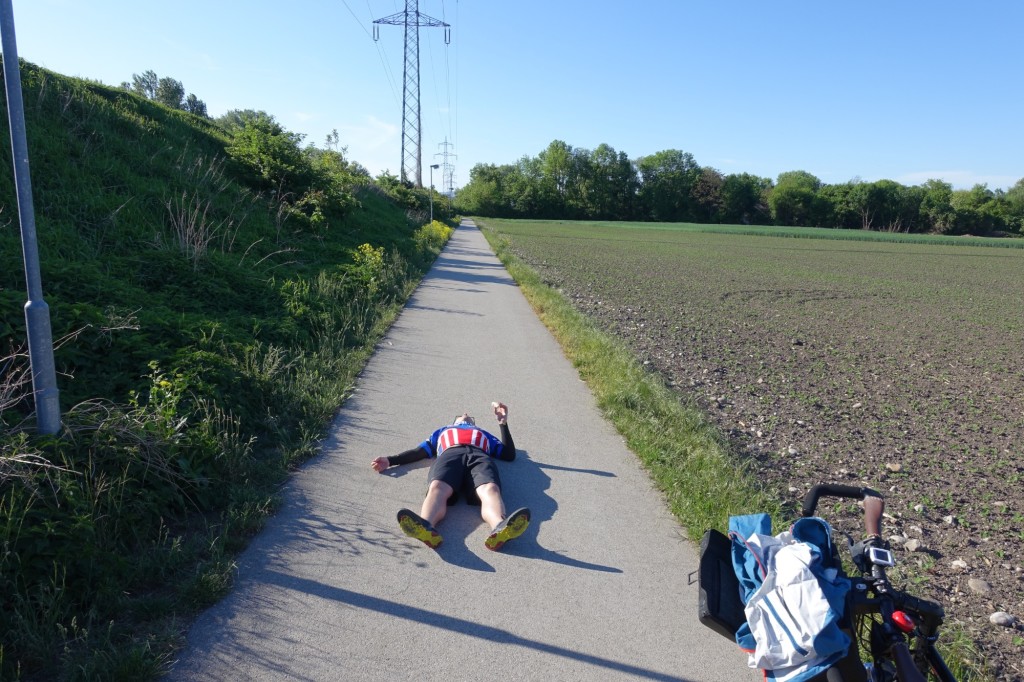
(788, 611)
(794, 614)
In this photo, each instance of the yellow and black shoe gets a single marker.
(418, 528)
(511, 527)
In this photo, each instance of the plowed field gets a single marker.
(894, 365)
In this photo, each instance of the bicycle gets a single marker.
(879, 618)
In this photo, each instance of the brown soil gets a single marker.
(933, 429)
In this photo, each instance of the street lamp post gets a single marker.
(37, 313)
(432, 167)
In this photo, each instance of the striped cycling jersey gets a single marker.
(461, 434)
(455, 436)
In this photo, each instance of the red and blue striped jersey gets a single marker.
(461, 434)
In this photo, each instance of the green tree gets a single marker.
(482, 195)
(273, 155)
(337, 161)
(707, 194)
(234, 120)
(167, 91)
(402, 192)
(532, 194)
(581, 178)
(977, 211)
(612, 184)
(841, 206)
(556, 165)
(145, 84)
(936, 208)
(886, 205)
(556, 168)
(794, 200)
(666, 179)
(1015, 205)
(170, 93)
(332, 187)
(744, 199)
(194, 105)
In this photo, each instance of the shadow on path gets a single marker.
(459, 625)
(526, 485)
(523, 485)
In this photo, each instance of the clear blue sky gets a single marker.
(900, 90)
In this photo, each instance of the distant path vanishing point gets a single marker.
(596, 589)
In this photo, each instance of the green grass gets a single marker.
(207, 331)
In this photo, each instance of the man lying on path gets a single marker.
(464, 460)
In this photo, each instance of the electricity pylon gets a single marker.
(447, 169)
(411, 19)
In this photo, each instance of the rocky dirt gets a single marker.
(866, 390)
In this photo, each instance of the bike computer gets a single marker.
(881, 557)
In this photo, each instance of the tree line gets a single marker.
(167, 91)
(563, 182)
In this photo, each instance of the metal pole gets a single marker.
(37, 313)
(412, 136)
(419, 109)
(432, 167)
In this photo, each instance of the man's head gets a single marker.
(464, 418)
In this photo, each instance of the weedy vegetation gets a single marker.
(214, 292)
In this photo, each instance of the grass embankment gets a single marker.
(208, 327)
(686, 455)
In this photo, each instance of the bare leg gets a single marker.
(492, 508)
(435, 504)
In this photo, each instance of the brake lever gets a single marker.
(859, 555)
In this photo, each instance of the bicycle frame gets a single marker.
(872, 603)
(910, 663)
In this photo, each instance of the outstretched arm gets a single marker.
(508, 447)
(407, 457)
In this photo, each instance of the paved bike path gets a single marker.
(596, 589)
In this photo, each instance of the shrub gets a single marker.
(431, 238)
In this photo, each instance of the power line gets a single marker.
(448, 176)
(447, 169)
(358, 20)
(455, 136)
(412, 135)
(447, 79)
(380, 51)
(433, 81)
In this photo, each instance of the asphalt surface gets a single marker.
(596, 589)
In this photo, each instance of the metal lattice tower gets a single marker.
(447, 169)
(412, 134)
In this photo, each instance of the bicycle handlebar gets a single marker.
(874, 505)
(906, 671)
(931, 614)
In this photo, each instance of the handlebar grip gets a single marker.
(874, 505)
(906, 671)
(931, 614)
(833, 490)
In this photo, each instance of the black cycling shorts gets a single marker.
(465, 469)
